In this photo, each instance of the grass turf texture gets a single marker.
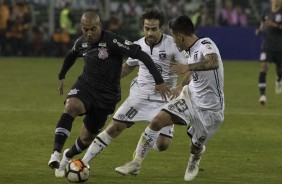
(247, 148)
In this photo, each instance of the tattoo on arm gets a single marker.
(126, 69)
(209, 63)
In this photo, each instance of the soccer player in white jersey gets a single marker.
(200, 104)
(143, 102)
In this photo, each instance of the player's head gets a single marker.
(276, 5)
(182, 30)
(91, 26)
(152, 21)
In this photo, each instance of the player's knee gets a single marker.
(163, 146)
(115, 128)
(156, 124)
(74, 107)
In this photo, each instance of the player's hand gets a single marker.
(175, 92)
(257, 31)
(163, 90)
(269, 23)
(179, 68)
(61, 86)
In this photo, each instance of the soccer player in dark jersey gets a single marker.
(271, 27)
(97, 90)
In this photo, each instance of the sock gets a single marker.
(62, 131)
(76, 149)
(100, 142)
(262, 83)
(147, 140)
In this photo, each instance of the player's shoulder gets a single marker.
(204, 40)
(79, 44)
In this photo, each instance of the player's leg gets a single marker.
(103, 139)
(147, 140)
(278, 82)
(164, 138)
(203, 128)
(73, 108)
(262, 77)
(81, 144)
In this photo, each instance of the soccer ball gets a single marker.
(77, 172)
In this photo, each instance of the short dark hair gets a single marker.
(153, 14)
(182, 24)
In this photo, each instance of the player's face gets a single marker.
(179, 41)
(91, 30)
(152, 31)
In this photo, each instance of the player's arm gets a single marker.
(175, 92)
(126, 69)
(210, 62)
(259, 30)
(161, 87)
(68, 62)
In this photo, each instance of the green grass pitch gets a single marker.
(246, 150)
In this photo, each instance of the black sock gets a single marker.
(62, 131)
(262, 83)
(77, 148)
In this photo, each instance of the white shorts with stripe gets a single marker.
(136, 108)
(203, 123)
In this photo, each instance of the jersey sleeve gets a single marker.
(208, 47)
(132, 62)
(124, 47)
(70, 59)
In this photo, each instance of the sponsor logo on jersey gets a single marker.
(102, 44)
(103, 53)
(127, 42)
(120, 44)
(209, 46)
(73, 91)
(84, 45)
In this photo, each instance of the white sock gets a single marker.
(100, 142)
(146, 141)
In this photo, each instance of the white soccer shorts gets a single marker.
(204, 123)
(136, 109)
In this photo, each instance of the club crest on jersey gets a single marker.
(73, 91)
(103, 53)
(162, 56)
(196, 57)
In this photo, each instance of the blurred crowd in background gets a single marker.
(49, 27)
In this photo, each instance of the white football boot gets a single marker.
(130, 168)
(60, 172)
(54, 161)
(193, 167)
(262, 99)
(278, 87)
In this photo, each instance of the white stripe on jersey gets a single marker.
(206, 87)
(162, 54)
